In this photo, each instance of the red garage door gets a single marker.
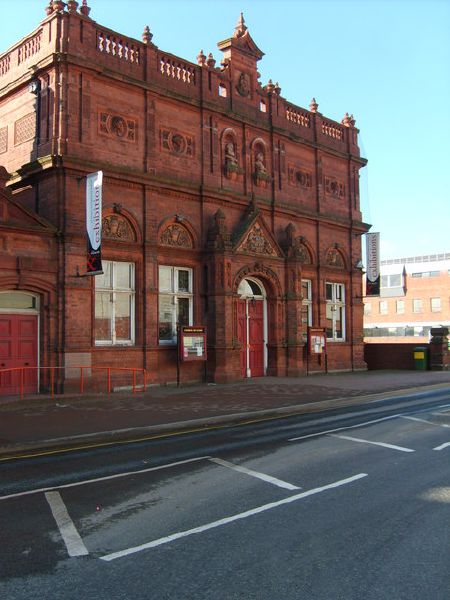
(18, 348)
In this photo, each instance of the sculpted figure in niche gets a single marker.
(230, 155)
(260, 167)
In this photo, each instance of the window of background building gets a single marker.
(417, 305)
(394, 280)
(306, 306)
(426, 274)
(175, 301)
(114, 304)
(435, 304)
(335, 311)
(400, 307)
(383, 307)
(367, 308)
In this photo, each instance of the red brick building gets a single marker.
(224, 205)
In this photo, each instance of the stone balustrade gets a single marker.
(119, 47)
(5, 65)
(177, 70)
(297, 115)
(332, 130)
(29, 48)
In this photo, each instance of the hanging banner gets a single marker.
(373, 264)
(94, 223)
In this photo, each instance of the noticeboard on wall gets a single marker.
(317, 340)
(192, 343)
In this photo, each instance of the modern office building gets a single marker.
(415, 297)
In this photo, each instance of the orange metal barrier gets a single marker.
(21, 371)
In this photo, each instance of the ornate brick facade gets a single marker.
(207, 172)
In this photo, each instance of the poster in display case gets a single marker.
(192, 343)
(317, 340)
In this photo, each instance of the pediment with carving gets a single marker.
(257, 240)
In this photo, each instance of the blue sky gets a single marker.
(385, 61)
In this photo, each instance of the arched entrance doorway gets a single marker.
(19, 315)
(252, 327)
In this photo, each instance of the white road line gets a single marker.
(69, 533)
(425, 421)
(304, 437)
(391, 446)
(442, 446)
(106, 478)
(258, 475)
(226, 520)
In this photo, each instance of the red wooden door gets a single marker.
(256, 337)
(18, 348)
(242, 334)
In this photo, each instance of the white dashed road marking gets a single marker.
(391, 446)
(69, 533)
(425, 421)
(442, 446)
(225, 521)
(257, 474)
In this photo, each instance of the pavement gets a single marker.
(42, 425)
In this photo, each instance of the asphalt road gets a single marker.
(348, 505)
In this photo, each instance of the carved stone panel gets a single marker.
(176, 235)
(302, 253)
(24, 129)
(299, 177)
(117, 227)
(334, 258)
(117, 126)
(334, 188)
(177, 143)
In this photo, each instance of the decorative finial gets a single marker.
(210, 61)
(241, 27)
(201, 59)
(147, 35)
(49, 8)
(270, 86)
(277, 89)
(352, 120)
(346, 120)
(313, 106)
(84, 8)
(58, 5)
(72, 6)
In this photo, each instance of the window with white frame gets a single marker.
(383, 307)
(435, 304)
(335, 311)
(175, 301)
(306, 306)
(417, 305)
(114, 304)
(400, 307)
